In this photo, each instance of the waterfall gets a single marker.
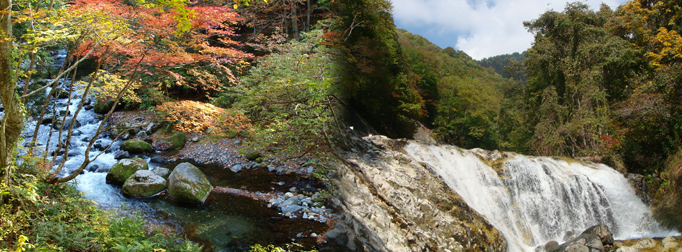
(533, 200)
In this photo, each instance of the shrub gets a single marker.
(53, 217)
(192, 116)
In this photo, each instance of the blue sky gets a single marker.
(481, 28)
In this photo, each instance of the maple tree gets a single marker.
(169, 55)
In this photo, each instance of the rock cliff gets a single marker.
(390, 202)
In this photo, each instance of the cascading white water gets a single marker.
(534, 200)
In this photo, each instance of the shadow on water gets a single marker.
(234, 223)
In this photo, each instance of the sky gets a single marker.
(480, 28)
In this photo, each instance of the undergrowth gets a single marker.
(667, 203)
(48, 217)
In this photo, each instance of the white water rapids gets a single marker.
(539, 199)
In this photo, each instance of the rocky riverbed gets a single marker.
(283, 188)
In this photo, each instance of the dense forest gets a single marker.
(602, 85)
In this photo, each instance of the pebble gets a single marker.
(294, 206)
(236, 168)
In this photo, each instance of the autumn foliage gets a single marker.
(170, 47)
(192, 116)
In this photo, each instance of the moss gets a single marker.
(254, 156)
(143, 183)
(102, 107)
(122, 170)
(188, 184)
(136, 146)
(173, 142)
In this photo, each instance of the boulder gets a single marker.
(143, 183)
(582, 243)
(103, 107)
(549, 246)
(603, 232)
(136, 146)
(188, 184)
(163, 172)
(253, 156)
(174, 142)
(626, 249)
(57, 123)
(645, 243)
(122, 128)
(125, 168)
(60, 93)
(669, 243)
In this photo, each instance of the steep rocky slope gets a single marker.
(391, 203)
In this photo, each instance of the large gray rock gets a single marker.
(645, 243)
(173, 142)
(188, 184)
(125, 168)
(144, 183)
(136, 146)
(163, 172)
(582, 243)
(603, 232)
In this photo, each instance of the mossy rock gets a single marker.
(60, 93)
(254, 156)
(187, 184)
(125, 168)
(103, 107)
(174, 142)
(144, 183)
(136, 146)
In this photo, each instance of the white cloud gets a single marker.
(481, 28)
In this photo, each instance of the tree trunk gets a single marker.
(307, 16)
(294, 19)
(13, 120)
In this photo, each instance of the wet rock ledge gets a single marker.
(392, 203)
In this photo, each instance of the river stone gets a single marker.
(103, 107)
(60, 93)
(136, 146)
(669, 243)
(645, 243)
(188, 184)
(144, 183)
(549, 246)
(122, 170)
(57, 123)
(582, 243)
(163, 172)
(174, 142)
(626, 249)
(121, 128)
(603, 232)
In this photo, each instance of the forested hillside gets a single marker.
(502, 63)
(463, 99)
